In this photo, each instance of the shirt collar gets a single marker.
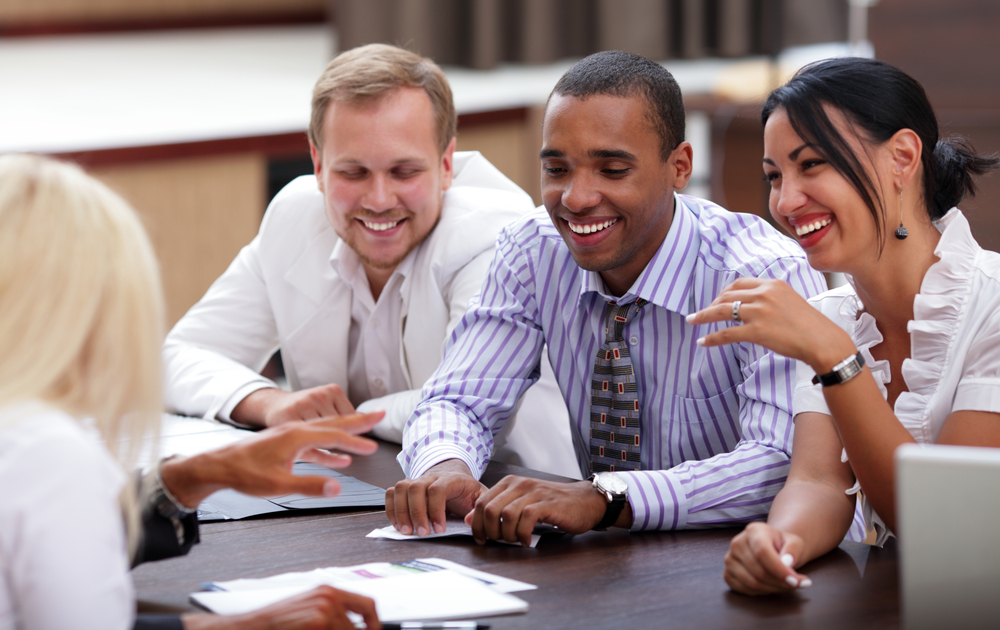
(347, 264)
(667, 278)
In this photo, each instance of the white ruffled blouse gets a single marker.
(954, 359)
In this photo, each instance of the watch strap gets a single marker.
(842, 372)
(616, 503)
(613, 511)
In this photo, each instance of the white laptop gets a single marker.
(948, 522)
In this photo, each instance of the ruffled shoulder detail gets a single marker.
(937, 311)
(866, 334)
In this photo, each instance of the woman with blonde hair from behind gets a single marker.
(81, 326)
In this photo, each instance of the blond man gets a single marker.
(360, 272)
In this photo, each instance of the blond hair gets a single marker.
(81, 307)
(369, 72)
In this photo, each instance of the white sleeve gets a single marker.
(66, 563)
(979, 387)
(213, 356)
(398, 407)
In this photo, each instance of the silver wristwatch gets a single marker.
(842, 372)
(615, 490)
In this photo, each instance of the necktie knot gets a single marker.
(617, 315)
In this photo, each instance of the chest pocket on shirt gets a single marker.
(702, 427)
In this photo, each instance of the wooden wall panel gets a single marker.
(512, 147)
(199, 212)
(20, 12)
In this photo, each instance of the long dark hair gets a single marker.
(879, 100)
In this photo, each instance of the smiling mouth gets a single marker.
(590, 228)
(380, 227)
(809, 228)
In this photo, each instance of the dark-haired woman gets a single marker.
(909, 351)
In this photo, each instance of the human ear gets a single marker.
(317, 159)
(905, 149)
(448, 165)
(681, 162)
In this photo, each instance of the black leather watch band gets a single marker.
(615, 507)
(614, 489)
(842, 372)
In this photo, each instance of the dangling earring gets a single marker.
(901, 232)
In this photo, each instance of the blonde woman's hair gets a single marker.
(369, 72)
(81, 307)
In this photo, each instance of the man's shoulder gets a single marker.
(297, 213)
(480, 192)
(534, 232)
(740, 242)
(300, 203)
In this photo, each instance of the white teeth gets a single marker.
(380, 227)
(802, 230)
(590, 229)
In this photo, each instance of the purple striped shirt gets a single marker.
(716, 422)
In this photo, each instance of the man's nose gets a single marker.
(581, 193)
(381, 195)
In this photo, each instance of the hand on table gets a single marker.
(262, 464)
(762, 560)
(270, 406)
(775, 316)
(510, 510)
(323, 607)
(419, 505)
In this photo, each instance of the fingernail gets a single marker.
(791, 581)
(421, 531)
(701, 341)
(438, 528)
(331, 488)
(690, 318)
(407, 530)
(787, 559)
(805, 583)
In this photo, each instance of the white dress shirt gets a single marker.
(63, 559)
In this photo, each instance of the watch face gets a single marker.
(610, 482)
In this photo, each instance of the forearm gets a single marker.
(192, 479)
(252, 410)
(725, 490)
(817, 512)
(871, 433)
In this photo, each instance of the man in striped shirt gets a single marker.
(715, 423)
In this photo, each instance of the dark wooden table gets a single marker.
(608, 579)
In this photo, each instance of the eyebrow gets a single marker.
(794, 155)
(605, 154)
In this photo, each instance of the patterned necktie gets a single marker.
(614, 400)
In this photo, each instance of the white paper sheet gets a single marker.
(422, 596)
(453, 527)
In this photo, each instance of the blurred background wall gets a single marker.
(202, 192)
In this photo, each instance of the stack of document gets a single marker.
(230, 504)
(427, 589)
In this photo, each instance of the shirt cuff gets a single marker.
(227, 407)
(977, 395)
(434, 454)
(657, 498)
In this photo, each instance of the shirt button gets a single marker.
(374, 322)
(633, 340)
(378, 383)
